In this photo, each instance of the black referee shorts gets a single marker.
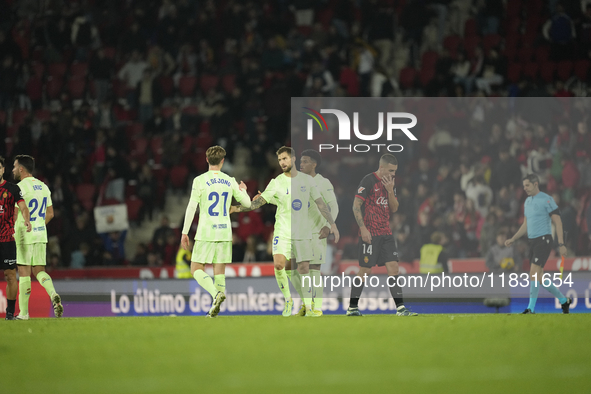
(539, 250)
(381, 250)
(8, 255)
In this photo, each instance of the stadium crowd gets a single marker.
(118, 101)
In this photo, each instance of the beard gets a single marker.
(287, 169)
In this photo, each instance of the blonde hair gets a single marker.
(215, 155)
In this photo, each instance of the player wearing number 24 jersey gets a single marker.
(31, 247)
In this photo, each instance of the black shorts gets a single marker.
(381, 250)
(539, 250)
(8, 255)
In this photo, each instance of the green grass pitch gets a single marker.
(331, 354)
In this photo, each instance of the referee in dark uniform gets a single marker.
(374, 201)
(10, 196)
(540, 211)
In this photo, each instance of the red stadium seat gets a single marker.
(57, 69)
(167, 86)
(350, 80)
(34, 88)
(18, 116)
(11, 131)
(407, 77)
(542, 54)
(513, 8)
(582, 69)
(452, 43)
(514, 72)
(134, 205)
(191, 110)
(178, 177)
(530, 70)
(187, 86)
(564, 70)
(426, 75)
(525, 55)
(470, 44)
(38, 69)
(53, 87)
(79, 69)
(166, 111)
(547, 70)
(139, 146)
(43, 115)
(229, 82)
(2, 117)
(85, 194)
(156, 145)
(208, 82)
(77, 87)
(429, 59)
(470, 28)
(134, 130)
(160, 173)
(110, 52)
(491, 41)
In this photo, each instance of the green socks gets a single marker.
(283, 283)
(318, 289)
(206, 282)
(306, 289)
(46, 282)
(24, 292)
(296, 280)
(220, 282)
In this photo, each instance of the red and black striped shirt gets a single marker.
(10, 195)
(375, 209)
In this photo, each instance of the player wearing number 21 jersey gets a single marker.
(31, 247)
(213, 193)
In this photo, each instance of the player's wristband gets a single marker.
(560, 244)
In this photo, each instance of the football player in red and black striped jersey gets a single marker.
(10, 197)
(374, 201)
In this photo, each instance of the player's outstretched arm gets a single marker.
(323, 208)
(557, 220)
(365, 234)
(522, 230)
(26, 215)
(241, 195)
(256, 203)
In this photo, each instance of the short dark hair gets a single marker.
(388, 158)
(286, 149)
(26, 161)
(314, 155)
(2, 161)
(533, 178)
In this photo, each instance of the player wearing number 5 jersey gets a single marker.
(31, 246)
(293, 192)
(213, 192)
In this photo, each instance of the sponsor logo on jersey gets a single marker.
(360, 189)
(296, 204)
(382, 201)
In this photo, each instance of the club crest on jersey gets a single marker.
(4, 195)
(303, 189)
(296, 204)
(360, 189)
(366, 259)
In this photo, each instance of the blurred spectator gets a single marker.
(480, 194)
(101, 69)
(131, 74)
(501, 258)
(433, 256)
(161, 234)
(148, 94)
(146, 190)
(114, 244)
(505, 172)
(560, 31)
(141, 255)
(79, 256)
(156, 125)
